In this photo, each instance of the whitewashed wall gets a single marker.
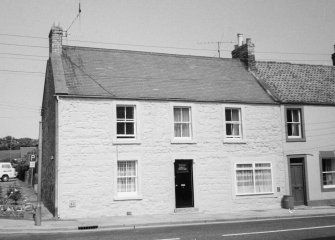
(88, 154)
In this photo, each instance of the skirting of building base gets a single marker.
(186, 210)
(322, 202)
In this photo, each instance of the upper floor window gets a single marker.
(294, 124)
(233, 123)
(182, 122)
(125, 122)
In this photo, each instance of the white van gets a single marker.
(7, 171)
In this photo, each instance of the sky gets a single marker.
(297, 31)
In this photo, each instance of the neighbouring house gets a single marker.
(128, 132)
(307, 97)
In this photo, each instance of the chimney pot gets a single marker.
(239, 39)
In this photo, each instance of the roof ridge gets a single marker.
(299, 64)
(149, 53)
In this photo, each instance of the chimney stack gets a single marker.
(239, 39)
(245, 52)
(55, 40)
(333, 57)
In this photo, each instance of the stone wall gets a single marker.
(88, 156)
(48, 144)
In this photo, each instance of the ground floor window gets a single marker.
(127, 183)
(253, 178)
(328, 172)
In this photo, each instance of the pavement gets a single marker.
(49, 224)
(160, 220)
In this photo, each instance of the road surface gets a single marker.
(321, 228)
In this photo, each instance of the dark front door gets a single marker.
(298, 181)
(184, 183)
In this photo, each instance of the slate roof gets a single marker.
(125, 74)
(298, 83)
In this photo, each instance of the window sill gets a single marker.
(295, 139)
(183, 141)
(328, 189)
(126, 142)
(234, 141)
(127, 198)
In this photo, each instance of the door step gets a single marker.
(186, 210)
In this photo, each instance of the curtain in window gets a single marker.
(263, 180)
(245, 178)
(126, 173)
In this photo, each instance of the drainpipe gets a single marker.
(56, 155)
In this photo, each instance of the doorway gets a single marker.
(183, 170)
(297, 180)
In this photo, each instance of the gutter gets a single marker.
(165, 99)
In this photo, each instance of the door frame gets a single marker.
(192, 180)
(305, 175)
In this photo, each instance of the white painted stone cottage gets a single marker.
(127, 132)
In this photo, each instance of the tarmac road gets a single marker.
(312, 228)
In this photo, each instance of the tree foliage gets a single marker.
(13, 143)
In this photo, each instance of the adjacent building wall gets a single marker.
(88, 154)
(319, 123)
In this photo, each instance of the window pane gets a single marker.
(259, 165)
(185, 114)
(228, 114)
(120, 113)
(229, 129)
(120, 128)
(236, 129)
(289, 115)
(177, 129)
(185, 130)
(121, 185)
(177, 114)
(295, 129)
(245, 181)
(131, 187)
(263, 180)
(328, 179)
(129, 128)
(327, 165)
(235, 114)
(295, 116)
(247, 165)
(129, 112)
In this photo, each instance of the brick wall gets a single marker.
(88, 155)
